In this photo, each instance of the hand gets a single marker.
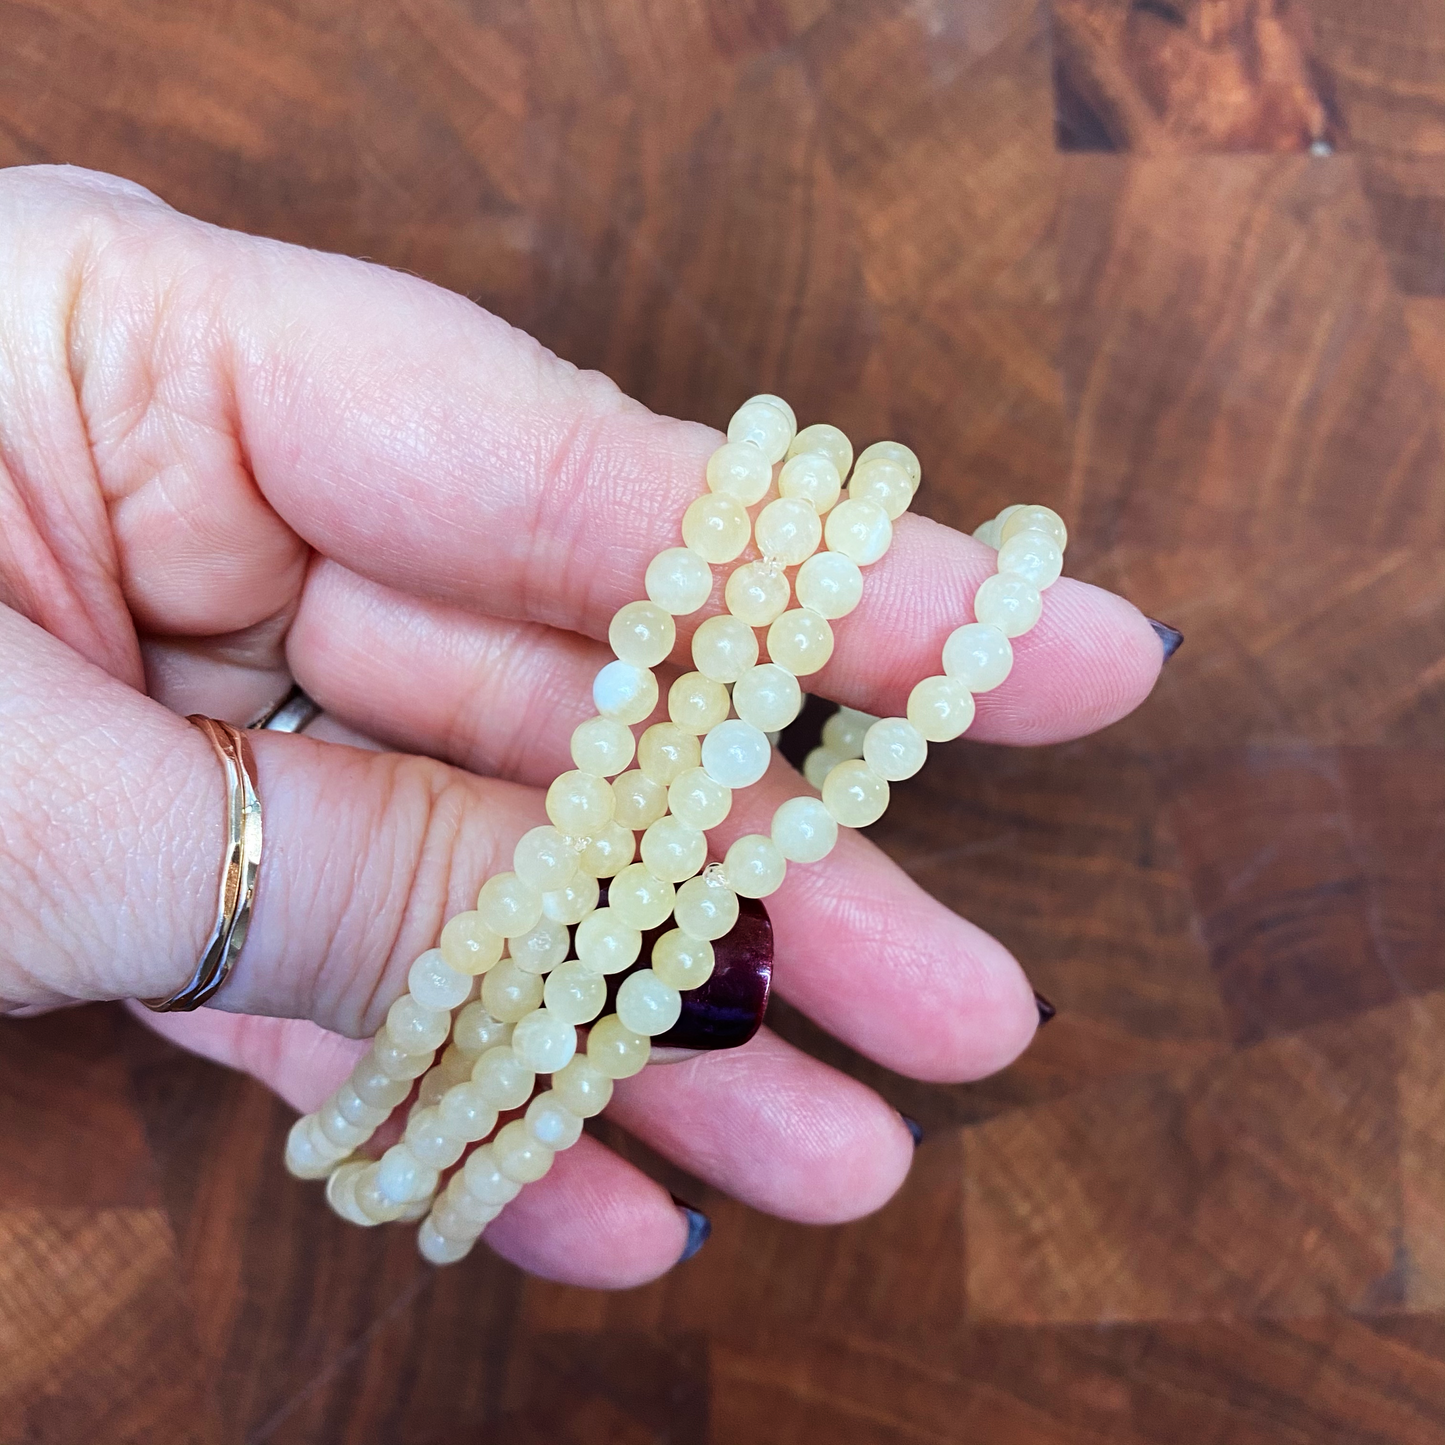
(225, 462)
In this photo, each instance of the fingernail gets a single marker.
(1171, 637)
(699, 1226)
(728, 1009)
(1046, 1009)
(914, 1128)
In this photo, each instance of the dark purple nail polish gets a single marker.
(1170, 637)
(914, 1128)
(1046, 1009)
(699, 1227)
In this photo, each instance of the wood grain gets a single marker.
(1172, 266)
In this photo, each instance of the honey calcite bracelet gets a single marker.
(529, 923)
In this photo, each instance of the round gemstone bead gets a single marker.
(583, 1087)
(736, 754)
(940, 708)
(505, 1079)
(580, 804)
(716, 527)
(894, 749)
(754, 866)
(484, 1181)
(509, 992)
(572, 903)
(788, 530)
(520, 1154)
(613, 1049)
(474, 1030)
(640, 801)
(468, 945)
(542, 949)
(375, 1087)
(681, 960)
(1034, 556)
(552, 1123)
(723, 648)
(667, 750)
(801, 641)
(544, 1042)
(416, 1028)
(860, 530)
(402, 1178)
(438, 1248)
(757, 592)
(575, 993)
(543, 858)
(845, 730)
(827, 441)
(854, 794)
(818, 764)
(607, 944)
(978, 655)
(782, 406)
(885, 482)
(697, 703)
(673, 851)
(696, 800)
(1008, 603)
(509, 906)
(642, 633)
(987, 533)
(608, 851)
(434, 983)
(646, 1005)
(740, 471)
(768, 697)
(705, 908)
(639, 897)
(624, 691)
(829, 584)
(678, 581)
(764, 426)
(467, 1112)
(804, 830)
(811, 477)
(602, 745)
(395, 1061)
(894, 452)
(1035, 519)
(429, 1139)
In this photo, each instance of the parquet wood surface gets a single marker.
(1176, 267)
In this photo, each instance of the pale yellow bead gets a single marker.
(431, 1088)
(811, 477)
(768, 697)
(736, 754)
(430, 1140)
(754, 867)
(402, 1178)
(1008, 512)
(608, 851)
(309, 1154)
(801, 640)
(854, 794)
(541, 949)
(723, 648)
(894, 452)
(450, 1224)
(894, 749)
(575, 993)
(885, 482)
(665, 751)
(580, 804)
(788, 530)
(646, 1005)
(978, 656)
(827, 441)
(844, 732)
(625, 692)
(519, 1154)
(672, 850)
(509, 906)
(474, 1030)
(336, 1127)
(613, 1049)
(764, 426)
(987, 533)
(543, 858)
(696, 703)
(716, 528)
(509, 992)
(698, 801)
(397, 1061)
(415, 1027)
(506, 1080)
(602, 745)
(1034, 556)
(829, 584)
(544, 1042)
(468, 945)
(1008, 603)
(640, 801)
(804, 830)
(1036, 519)
(859, 530)
(484, 1181)
(607, 944)
(678, 581)
(434, 983)
(740, 471)
(583, 1087)
(374, 1086)
(552, 1123)
(782, 406)
(639, 897)
(940, 708)
(374, 1204)
(341, 1194)
(642, 633)
(681, 960)
(574, 902)
(818, 764)
(705, 907)
(436, 1248)
(757, 592)
(467, 1112)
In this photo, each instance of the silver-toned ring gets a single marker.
(294, 713)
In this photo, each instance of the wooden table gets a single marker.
(1175, 268)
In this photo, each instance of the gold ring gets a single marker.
(238, 873)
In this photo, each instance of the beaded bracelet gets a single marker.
(521, 1026)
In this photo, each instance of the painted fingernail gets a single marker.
(699, 1226)
(727, 1010)
(914, 1128)
(1171, 637)
(1046, 1009)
